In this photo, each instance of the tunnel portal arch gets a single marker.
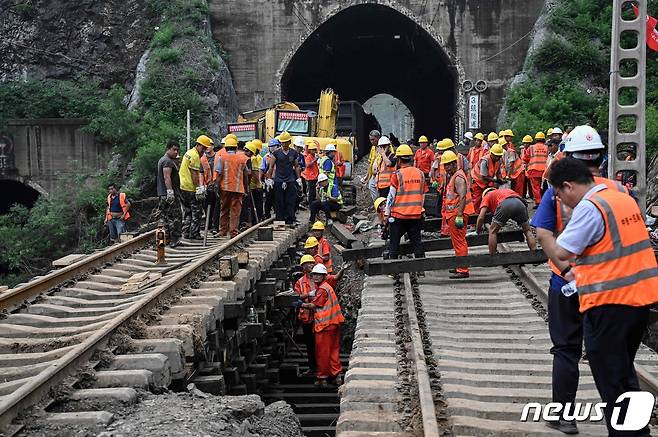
(17, 192)
(361, 50)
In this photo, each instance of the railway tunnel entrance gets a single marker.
(370, 49)
(15, 192)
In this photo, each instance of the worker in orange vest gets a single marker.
(327, 319)
(233, 182)
(404, 205)
(424, 157)
(458, 206)
(324, 248)
(339, 162)
(513, 166)
(311, 170)
(476, 150)
(488, 172)
(439, 178)
(615, 273)
(116, 213)
(305, 288)
(535, 157)
(386, 157)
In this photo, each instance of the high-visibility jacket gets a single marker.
(409, 184)
(254, 178)
(325, 248)
(493, 169)
(232, 174)
(209, 174)
(384, 175)
(331, 174)
(424, 159)
(311, 171)
(122, 202)
(536, 156)
(563, 212)
(340, 169)
(474, 155)
(330, 313)
(512, 163)
(441, 176)
(305, 285)
(621, 267)
(451, 198)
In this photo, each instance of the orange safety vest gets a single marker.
(443, 177)
(304, 285)
(474, 155)
(209, 174)
(538, 155)
(493, 168)
(384, 175)
(409, 192)
(311, 171)
(233, 166)
(330, 313)
(513, 165)
(620, 268)
(323, 247)
(564, 213)
(451, 198)
(122, 202)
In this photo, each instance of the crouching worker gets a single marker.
(324, 249)
(380, 209)
(327, 318)
(305, 288)
(505, 205)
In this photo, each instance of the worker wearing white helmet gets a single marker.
(386, 165)
(327, 319)
(557, 134)
(329, 198)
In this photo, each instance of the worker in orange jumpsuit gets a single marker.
(341, 169)
(327, 319)
(513, 167)
(324, 248)
(233, 182)
(305, 288)
(476, 150)
(488, 172)
(312, 247)
(535, 157)
(424, 157)
(439, 178)
(458, 205)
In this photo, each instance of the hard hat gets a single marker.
(312, 145)
(311, 242)
(479, 136)
(448, 157)
(509, 133)
(231, 142)
(404, 150)
(557, 130)
(502, 141)
(497, 150)
(322, 177)
(492, 136)
(284, 137)
(485, 192)
(468, 135)
(445, 144)
(330, 148)
(317, 226)
(204, 140)
(383, 141)
(306, 259)
(527, 139)
(298, 141)
(423, 139)
(258, 143)
(274, 142)
(319, 269)
(501, 133)
(378, 202)
(251, 147)
(549, 132)
(583, 138)
(540, 136)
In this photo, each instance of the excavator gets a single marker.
(318, 126)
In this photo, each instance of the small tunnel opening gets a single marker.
(392, 114)
(14, 192)
(372, 49)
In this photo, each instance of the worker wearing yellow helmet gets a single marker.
(255, 185)
(380, 209)
(457, 207)
(439, 177)
(488, 172)
(324, 250)
(311, 169)
(535, 157)
(284, 177)
(193, 190)
(476, 150)
(404, 205)
(424, 156)
(513, 167)
(233, 174)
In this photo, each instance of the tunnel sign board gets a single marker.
(294, 122)
(474, 111)
(244, 131)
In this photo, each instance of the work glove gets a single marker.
(170, 196)
(284, 185)
(435, 185)
(200, 193)
(299, 183)
(269, 184)
(459, 222)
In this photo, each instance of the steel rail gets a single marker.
(39, 385)
(427, 408)
(14, 297)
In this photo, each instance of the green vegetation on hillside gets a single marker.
(567, 76)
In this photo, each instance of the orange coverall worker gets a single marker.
(233, 178)
(326, 325)
(451, 205)
(493, 170)
(535, 156)
(513, 169)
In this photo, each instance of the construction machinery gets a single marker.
(318, 126)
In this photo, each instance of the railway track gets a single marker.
(58, 321)
(486, 338)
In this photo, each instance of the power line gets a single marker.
(502, 51)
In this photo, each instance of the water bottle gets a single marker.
(252, 317)
(569, 289)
